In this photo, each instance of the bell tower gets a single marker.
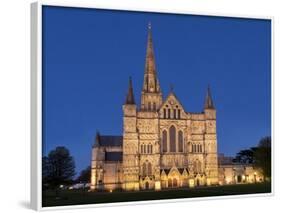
(130, 142)
(210, 139)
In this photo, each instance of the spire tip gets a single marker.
(149, 25)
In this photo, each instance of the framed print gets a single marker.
(133, 105)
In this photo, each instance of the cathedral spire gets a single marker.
(149, 60)
(208, 100)
(151, 96)
(130, 95)
(151, 82)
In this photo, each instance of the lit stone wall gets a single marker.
(239, 174)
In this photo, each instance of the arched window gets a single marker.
(149, 106)
(180, 141)
(179, 114)
(154, 106)
(144, 172)
(149, 169)
(142, 148)
(172, 132)
(149, 148)
(200, 148)
(164, 141)
(175, 113)
(164, 113)
(169, 113)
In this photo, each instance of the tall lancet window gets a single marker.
(144, 172)
(169, 113)
(180, 141)
(164, 141)
(175, 114)
(172, 132)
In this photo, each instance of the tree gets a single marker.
(259, 156)
(58, 167)
(245, 156)
(85, 175)
(263, 156)
(45, 171)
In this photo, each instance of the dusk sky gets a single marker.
(88, 56)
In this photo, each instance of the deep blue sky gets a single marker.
(89, 54)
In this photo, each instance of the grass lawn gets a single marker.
(77, 197)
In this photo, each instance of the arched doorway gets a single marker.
(239, 178)
(175, 182)
(146, 185)
(170, 183)
(197, 182)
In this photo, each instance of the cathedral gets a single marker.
(162, 146)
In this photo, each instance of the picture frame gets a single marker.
(37, 100)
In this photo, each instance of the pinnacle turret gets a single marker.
(130, 95)
(209, 104)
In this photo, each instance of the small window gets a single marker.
(175, 113)
(154, 106)
(149, 106)
(144, 149)
(164, 113)
(179, 114)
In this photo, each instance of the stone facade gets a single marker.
(162, 146)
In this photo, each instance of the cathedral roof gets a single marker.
(113, 156)
(109, 140)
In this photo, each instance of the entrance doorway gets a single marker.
(175, 182)
(170, 184)
(146, 185)
(239, 178)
